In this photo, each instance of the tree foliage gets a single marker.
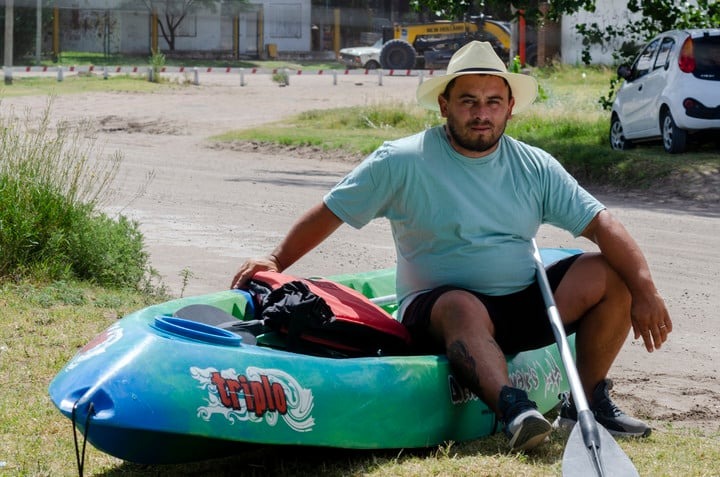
(24, 30)
(459, 9)
(652, 17)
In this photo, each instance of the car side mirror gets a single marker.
(624, 72)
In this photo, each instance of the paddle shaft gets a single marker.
(384, 300)
(586, 420)
(559, 331)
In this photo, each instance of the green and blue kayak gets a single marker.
(153, 389)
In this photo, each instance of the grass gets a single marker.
(44, 322)
(567, 121)
(43, 325)
(77, 58)
(52, 180)
(83, 84)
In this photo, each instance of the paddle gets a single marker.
(590, 449)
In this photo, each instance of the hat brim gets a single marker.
(524, 89)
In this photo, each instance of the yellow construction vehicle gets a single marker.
(430, 45)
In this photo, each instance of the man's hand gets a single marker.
(251, 267)
(650, 320)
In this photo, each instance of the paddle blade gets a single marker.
(607, 461)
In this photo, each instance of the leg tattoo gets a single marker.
(464, 365)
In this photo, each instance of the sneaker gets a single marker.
(606, 413)
(524, 425)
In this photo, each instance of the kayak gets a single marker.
(157, 389)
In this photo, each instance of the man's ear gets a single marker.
(511, 104)
(443, 105)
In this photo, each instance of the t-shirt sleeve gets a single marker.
(364, 193)
(567, 204)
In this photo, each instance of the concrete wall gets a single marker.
(287, 24)
(135, 26)
(607, 12)
(93, 31)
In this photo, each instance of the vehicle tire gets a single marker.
(617, 137)
(372, 65)
(674, 139)
(397, 55)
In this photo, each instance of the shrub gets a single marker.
(52, 181)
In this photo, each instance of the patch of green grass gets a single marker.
(358, 130)
(78, 58)
(568, 122)
(85, 83)
(42, 325)
(51, 183)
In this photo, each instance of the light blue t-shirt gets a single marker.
(458, 220)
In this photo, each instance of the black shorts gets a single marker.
(520, 319)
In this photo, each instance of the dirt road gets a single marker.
(208, 208)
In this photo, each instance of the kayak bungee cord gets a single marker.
(80, 458)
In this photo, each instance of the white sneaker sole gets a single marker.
(532, 432)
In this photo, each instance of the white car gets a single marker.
(367, 57)
(671, 91)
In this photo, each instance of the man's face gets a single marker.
(477, 109)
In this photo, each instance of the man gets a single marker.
(464, 201)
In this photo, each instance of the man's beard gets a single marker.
(478, 144)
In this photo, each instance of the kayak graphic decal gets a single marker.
(530, 378)
(258, 395)
(97, 345)
(459, 394)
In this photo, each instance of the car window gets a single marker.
(644, 61)
(665, 48)
(707, 57)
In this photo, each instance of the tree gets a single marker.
(655, 16)
(171, 13)
(458, 9)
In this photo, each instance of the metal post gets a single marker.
(105, 72)
(60, 75)
(9, 20)
(242, 76)
(196, 77)
(38, 32)
(334, 73)
(380, 76)
(421, 77)
(286, 76)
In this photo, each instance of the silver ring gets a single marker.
(662, 326)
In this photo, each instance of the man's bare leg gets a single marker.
(462, 323)
(593, 293)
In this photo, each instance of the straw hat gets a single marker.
(478, 57)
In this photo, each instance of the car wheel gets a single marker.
(617, 137)
(372, 65)
(674, 139)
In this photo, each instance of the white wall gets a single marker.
(607, 12)
(135, 28)
(287, 24)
